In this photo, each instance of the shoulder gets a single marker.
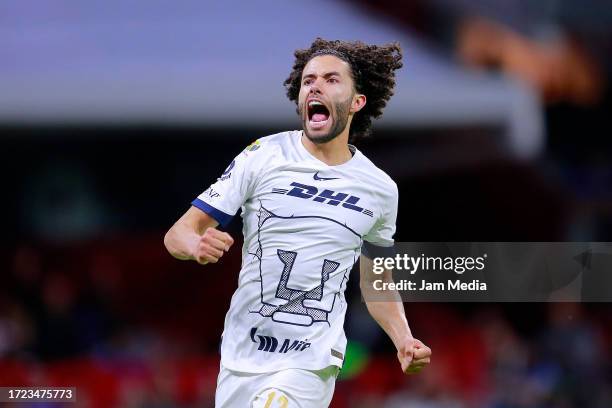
(270, 144)
(378, 177)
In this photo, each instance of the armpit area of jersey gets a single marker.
(375, 251)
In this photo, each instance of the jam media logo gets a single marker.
(329, 197)
(270, 343)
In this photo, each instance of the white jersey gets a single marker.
(304, 225)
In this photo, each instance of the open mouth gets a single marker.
(318, 114)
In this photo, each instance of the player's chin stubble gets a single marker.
(340, 119)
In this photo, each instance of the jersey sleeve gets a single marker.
(224, 197)
(381, 234)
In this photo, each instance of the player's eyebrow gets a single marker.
(325, 75)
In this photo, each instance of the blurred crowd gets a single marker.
(57, 328)
(485, 359)
(562, 49)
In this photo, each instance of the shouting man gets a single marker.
(310, 203)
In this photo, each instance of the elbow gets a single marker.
(175, 245)
(168, 241)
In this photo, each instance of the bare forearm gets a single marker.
(195, 237)
(179, 241)
(385, 307)
(392, 319)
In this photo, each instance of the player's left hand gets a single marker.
(413, 355)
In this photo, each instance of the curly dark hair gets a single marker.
(372, 69)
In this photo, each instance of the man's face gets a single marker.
(326, 97)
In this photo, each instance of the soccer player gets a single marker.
(310, 201)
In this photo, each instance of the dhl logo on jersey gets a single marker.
(329, 197)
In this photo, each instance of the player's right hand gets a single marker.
(211, 246)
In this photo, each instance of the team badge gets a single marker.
(253, 146)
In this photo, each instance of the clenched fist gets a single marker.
(211, 245)
(413, 356)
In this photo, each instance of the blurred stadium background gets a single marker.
(114, 115)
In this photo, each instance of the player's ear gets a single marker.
(358, 103)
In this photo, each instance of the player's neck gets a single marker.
(332, 153)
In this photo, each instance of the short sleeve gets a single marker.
(224, 197)
(383, 230)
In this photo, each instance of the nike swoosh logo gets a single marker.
(316, 177)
